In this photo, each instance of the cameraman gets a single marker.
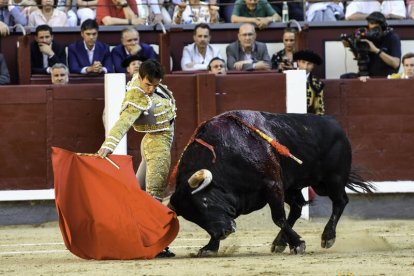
(383, 45)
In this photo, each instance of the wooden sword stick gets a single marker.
(112, 162)
(94, 154)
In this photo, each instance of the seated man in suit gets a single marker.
(130, 45)
(247, 54)
(44, 52)
(89, 56)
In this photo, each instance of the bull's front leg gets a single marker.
(275, 198)
(210, 249)
(295, 201)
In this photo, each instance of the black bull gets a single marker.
(235, 171)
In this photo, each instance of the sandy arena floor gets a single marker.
(363, 247)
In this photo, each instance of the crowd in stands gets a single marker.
(88, 55)
(60, 13)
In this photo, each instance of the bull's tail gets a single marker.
(357, 184)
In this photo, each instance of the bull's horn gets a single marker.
(200, 179)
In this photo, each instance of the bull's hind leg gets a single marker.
(276, 202)
(295, 201)
(338, 205)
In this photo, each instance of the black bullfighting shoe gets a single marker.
(166, 253)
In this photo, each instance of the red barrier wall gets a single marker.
(377, 116)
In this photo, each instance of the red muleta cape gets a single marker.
(103, 213)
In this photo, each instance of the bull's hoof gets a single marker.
(300, 249)
(206, 253)
(275, 248)
(327, 243)
(279, 244)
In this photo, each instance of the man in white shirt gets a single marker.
(197, 55)
(359, 10)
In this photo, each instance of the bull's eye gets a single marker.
(205, 202)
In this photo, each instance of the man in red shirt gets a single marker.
(118, 12)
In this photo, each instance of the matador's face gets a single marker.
(148, 86)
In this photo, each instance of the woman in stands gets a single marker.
(48, 14)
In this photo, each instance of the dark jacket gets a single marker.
(4, 71)
(119, 54)
(36, 57)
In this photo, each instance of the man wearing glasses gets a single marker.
(247, 54)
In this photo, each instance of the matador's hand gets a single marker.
(103, 152)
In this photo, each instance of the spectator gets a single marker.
(247, 54)
(132, 64)
(118, 12)
(226, 9)
(89, 56)
(197, 55)
(4, 71)
(384, 48)
(217, 66)
(307, 60)
(258, 12)
(66, 7)
(359, 10)
(283, 60)
(44, 52)
(295, 9)
(47, 14)
(130, 45)
(27, 7)
(153, 11)
(410, 9)
(9, 16)
(325, 11)
(408, 66)
(194, 12)
(86, 9)
(59, 74)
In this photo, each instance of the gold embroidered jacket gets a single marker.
(145, 113)
(314, 95)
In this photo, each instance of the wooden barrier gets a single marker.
(376, 115)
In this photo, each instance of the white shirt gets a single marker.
(395, 7)
(143, 10)
(90, 57)
(192, 55)
(58, 19)
(194, 15)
